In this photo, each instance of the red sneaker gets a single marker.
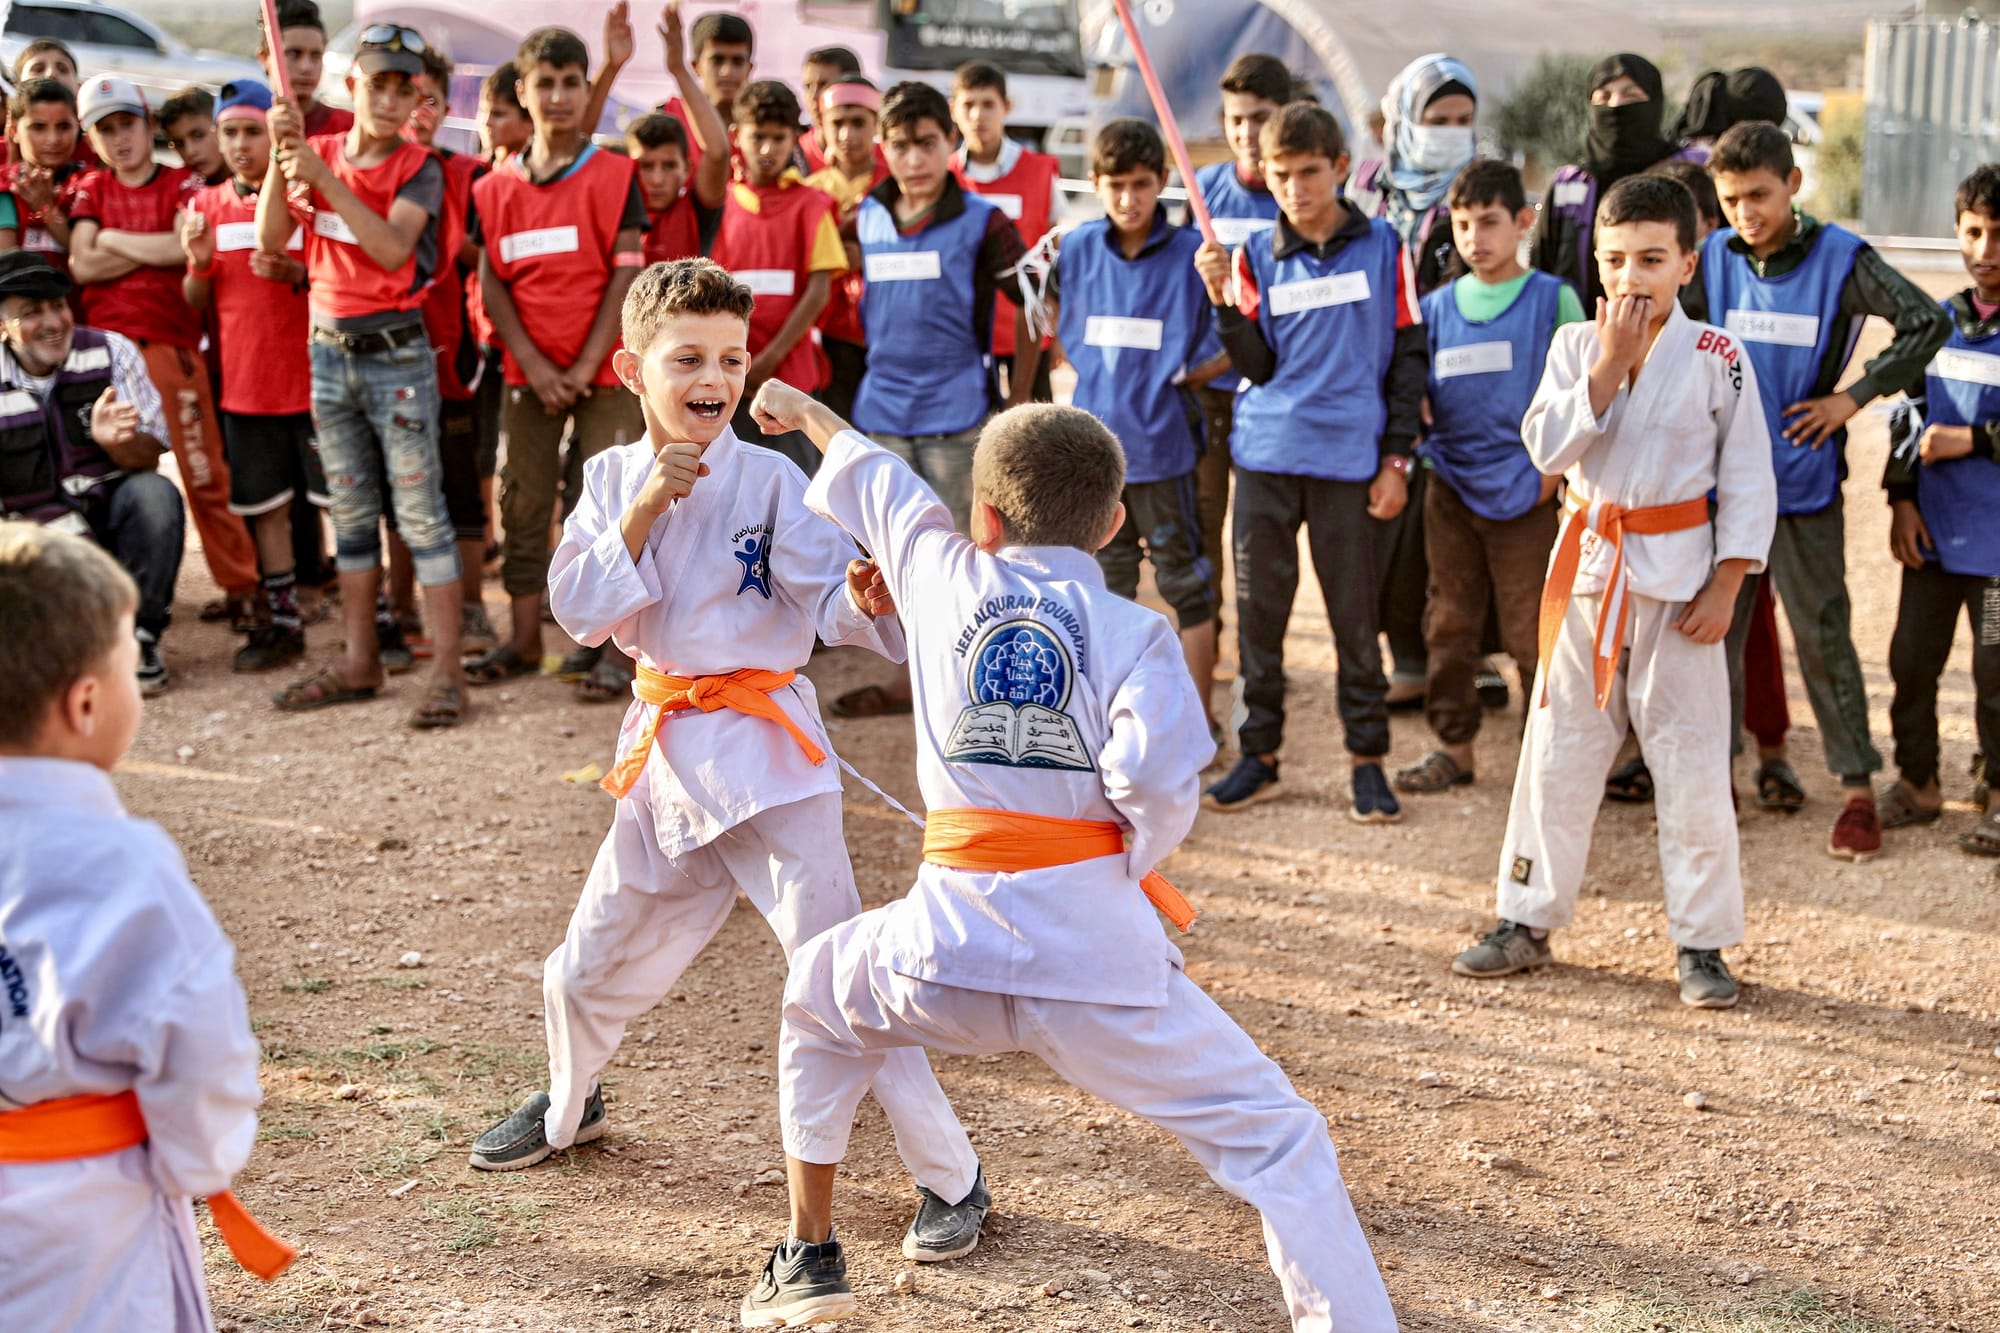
(1857, 833)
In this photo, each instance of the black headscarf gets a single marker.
(1706, 114)
(1718, 101)
(1625, 140)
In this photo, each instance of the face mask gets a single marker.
(1439, 147)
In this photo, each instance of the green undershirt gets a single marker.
(1484, 302)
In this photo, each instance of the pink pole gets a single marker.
(279, 76)
(1196, 204)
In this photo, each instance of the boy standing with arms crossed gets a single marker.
(1488, 523)
(1320, 314)
(1049, 734)
(125, 254)
(694, 552)
(1794, 291)
(560, 227)
(1646, 414)
(371, 212)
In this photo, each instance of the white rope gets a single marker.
(1031, 275)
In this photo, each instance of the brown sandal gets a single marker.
(1436, 771)
(1899, 809)
(868, 701)
(321, 689)
(609, 681)
(443, 706)
(1983, 839)
(502, 664)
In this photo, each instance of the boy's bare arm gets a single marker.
(147, 249)
(618, 45)
(1027, 356)
(711, 177)
(604, 326)
(197, 242)
(90, 262)
(819, 286)
(1706, 618)
(275, 222)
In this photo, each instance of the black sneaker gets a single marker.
(392, 649)
(1374, 803)
(943, 1230)
(1250, 781)
(578, 663)
(801, 1284)
(1705, 980)
(520, 1140)
(1502, 951)
(270, 646)
(152, 671)
(1492, 687)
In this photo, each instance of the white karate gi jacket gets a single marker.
(1036, 691)
(737, 575)
(1657, 444)
(113, 976)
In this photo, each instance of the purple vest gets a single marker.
(1573, 196)
(48, 460)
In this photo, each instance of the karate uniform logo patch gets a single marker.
(754, 551)
(1019, 678)
(1523, 869)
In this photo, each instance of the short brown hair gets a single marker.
(1303, 127)
(1054, 473)
(679, 287)
(766, 102)
(193, 100)
(1126, 145)
(61, 599)
(1752, 146)
(1259, 76)
(976, 74)
(558, 47)
(1649, 198)
(1694, 178)
(656, 129)
(35, 91)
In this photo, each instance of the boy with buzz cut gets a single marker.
(302, 46)
(261, 321)
(47, 58)
(42, 130)
(1647, 415)
(1060, 748)
(1944, 491)
(724, 54)
(371, 205)
(129, 1067)
(1017, 180)
(1794, 291)
(695, 553)
(187, 119)
(559, 229)
(1320, 314)
(1488, 523)
(126, 257)
(780, 238)
(1131, 313)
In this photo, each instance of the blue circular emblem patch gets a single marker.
(1019, 662)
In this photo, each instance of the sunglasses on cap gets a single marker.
(394, 36)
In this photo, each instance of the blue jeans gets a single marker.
(376, 417)
(945, 464)
(140, 520)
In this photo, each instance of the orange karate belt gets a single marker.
(1610, 522)
(1001, 840)
(747, 691)
(67, 1128)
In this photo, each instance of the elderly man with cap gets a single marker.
(81, 434)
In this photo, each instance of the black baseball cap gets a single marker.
(25, 273)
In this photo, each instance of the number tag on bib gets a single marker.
(1010, 204)
(1967, 367)
(543, 241)
(1233, 232)
(1288, 298)
(902, 266)
(235, 236)
(1117, 331)
(1571, 192)
(768, 281)
(1473, 359)
(334, 227)
(1767, 326)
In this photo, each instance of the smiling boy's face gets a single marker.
(691, 377)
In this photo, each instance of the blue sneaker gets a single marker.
(1374, 803)
(1250, 781)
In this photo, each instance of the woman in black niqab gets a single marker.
(1625, 139)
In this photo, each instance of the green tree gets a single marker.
(1548, 114)
(1837, 172)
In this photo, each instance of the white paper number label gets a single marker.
(1768, 326)
(1117, 331)
(902, 266)
(1316, 293)
(1474, 359)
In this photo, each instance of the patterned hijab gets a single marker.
(1422, 160)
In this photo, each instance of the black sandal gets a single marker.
(1631, 782)
(1778, 787)
(609, 681)
(502, 664)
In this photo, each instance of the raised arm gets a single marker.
(711, 176)
(618, 46)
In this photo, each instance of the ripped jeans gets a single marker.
(375, 413)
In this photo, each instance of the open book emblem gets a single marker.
(1019, 678)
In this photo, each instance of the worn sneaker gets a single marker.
(393, 650)
(152, 671)
(943, 1230)
(1857, 831)
(1705, 980)
(1502, 951)
(1374, 803)
(520, 1140)
(1250, 781)
(475, 631)
(270, 646)
(801, 1284)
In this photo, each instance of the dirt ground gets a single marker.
(1524, 1154)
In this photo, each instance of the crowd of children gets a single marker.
(1609, 463)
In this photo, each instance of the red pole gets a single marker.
(280, 78)
(1168, 127)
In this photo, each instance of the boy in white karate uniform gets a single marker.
(1647, 414)
(1060, 746)
(128, 1075)
(694, 552)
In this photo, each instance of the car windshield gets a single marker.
(65, 25)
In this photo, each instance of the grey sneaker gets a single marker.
(1502, 951)
(801, 1284)
(475, 631)
(1705, 980)
(943, 1230)
(152, 671)
(520, 1141)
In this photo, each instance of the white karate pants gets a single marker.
(644, 916)
(1675, 693)
(1185, 1066)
